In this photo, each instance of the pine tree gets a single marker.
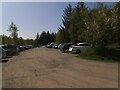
(63, 29)
(13, 30)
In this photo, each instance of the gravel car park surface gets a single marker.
(49, 68)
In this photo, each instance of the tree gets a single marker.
(100, 25)
(99, 31)
(116, 21)
(63, 29)
(66, 15)
(13, 30)
(52, 37)
(60, 36)
(77, 24)
(7, 40)
(28, 41)
(46, 37)
(20, 41)
(37, 41)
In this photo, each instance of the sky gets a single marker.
(33, 17)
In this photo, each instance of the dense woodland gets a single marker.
(99, 26)
(41, 39)
(19, 41)
(44, 38)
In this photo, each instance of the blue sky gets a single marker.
(33, 17)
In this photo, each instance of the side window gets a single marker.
(82, 45)
(79, 45)
(87, 44)
(9, 46)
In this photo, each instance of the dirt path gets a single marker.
(49, 68)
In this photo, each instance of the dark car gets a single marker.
(22, 48)
(6, 50)
(2, 53)
(65, 47)
(27, 47)
(10, 49)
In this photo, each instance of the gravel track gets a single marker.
(49, 68)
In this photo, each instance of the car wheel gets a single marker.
(64, 51)
(78, 51)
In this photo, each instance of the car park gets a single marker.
(79, 47)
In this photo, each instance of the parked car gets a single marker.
(65, 47)
(79, 47)
(31, 46)
(10, 49)
(49, 45)
(55, 46)
(28, 47)
(71, 48)
(5, 49)
(60, 45)
(22, 48)
(2, 53)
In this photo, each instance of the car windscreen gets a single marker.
(4, 47)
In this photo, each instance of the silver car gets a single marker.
(79, 47)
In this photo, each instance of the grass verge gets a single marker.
(108, 55)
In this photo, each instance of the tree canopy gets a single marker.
(100, 25)
(44, 38)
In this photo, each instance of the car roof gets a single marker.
(4, 45)
(82, 43)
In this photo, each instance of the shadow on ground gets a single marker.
(4, 60)
(9, 57)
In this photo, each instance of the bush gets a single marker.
(101, 54)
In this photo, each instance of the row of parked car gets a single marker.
(10, 50)
(70, 47)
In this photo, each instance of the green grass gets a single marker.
(113, 46)
(109, 55)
